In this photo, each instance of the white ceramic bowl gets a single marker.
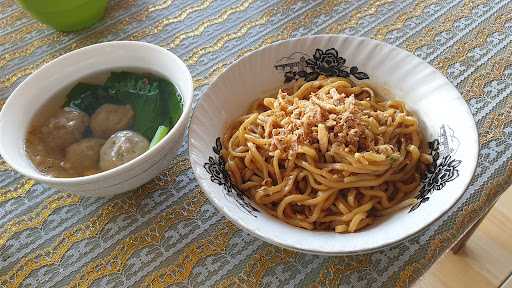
(445, 118)
(59, 76)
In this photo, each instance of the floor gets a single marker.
(486, 260)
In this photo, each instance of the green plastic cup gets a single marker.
(66, 15)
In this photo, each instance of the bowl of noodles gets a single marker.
(332, 144)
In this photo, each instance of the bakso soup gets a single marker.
(100, 127)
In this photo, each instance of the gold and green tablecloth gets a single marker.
(166, 233)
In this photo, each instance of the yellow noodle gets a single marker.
(341, 228)
(351, 198)
(300, 223)
(316, 212)
(342, 206)
(287, 200)
(248, 185)
(243, 127)
(345, 167)
(363, 223)
(323, 138)
(320, 199)
(247, 174)
(330, 201)
(400, 206)
(361, 209)
(308, 151)
(275, 163)
(373, 192)
(355, 221)
(329, 155)
(235, 172)
(258, 141)
(259, 160)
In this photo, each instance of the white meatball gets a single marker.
(122, 147)
(82, 157)
(65, 128)
(110, 118)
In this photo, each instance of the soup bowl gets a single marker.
(444, 117)
(55, 79)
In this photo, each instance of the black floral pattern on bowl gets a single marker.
(216, 167)
(328, 63)
(444, 167)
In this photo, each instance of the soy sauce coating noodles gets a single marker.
(327, 155)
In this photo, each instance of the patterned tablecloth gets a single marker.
(166, 233)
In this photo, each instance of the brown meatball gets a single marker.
(82, 157)
(65, 128)
(110, 118)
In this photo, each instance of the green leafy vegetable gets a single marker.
(155, 101)
(159, 135)
(143, 94)
(87, 97)
(172, 106)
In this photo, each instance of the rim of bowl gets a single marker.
(158, 148)
(334, 253)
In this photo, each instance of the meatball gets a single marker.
(110, 118)
(65, 128)
(82, 157)
(122, 147)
